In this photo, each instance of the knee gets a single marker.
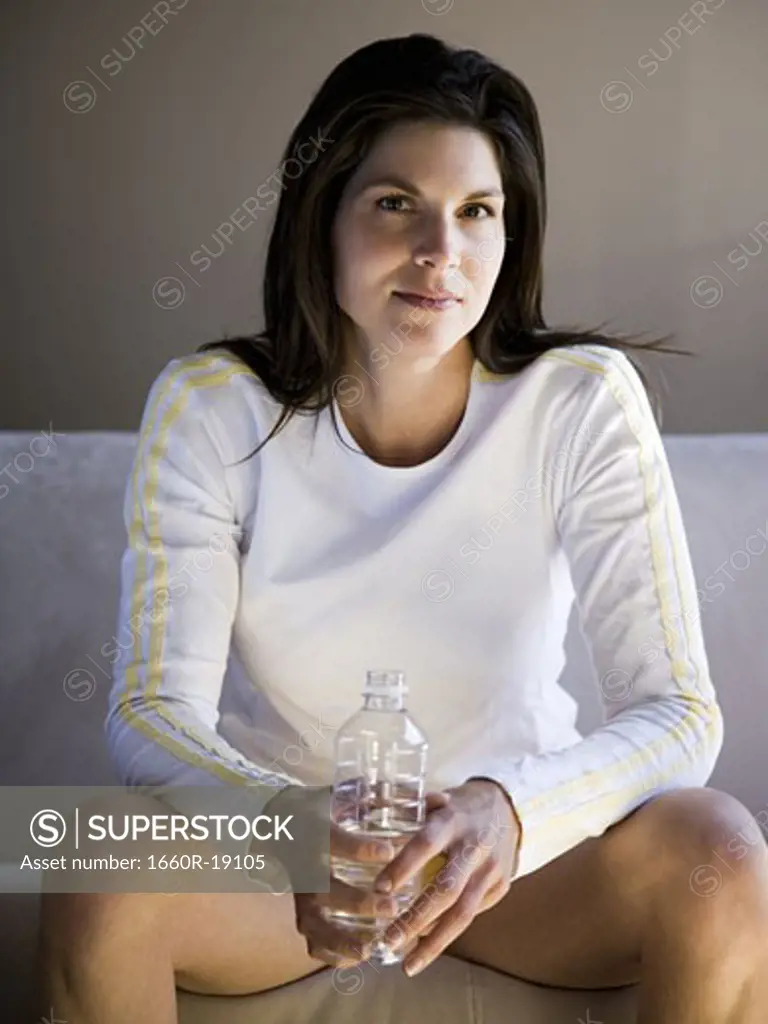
(79, 926)
(706, 842)
(74, 922)
(702, 821)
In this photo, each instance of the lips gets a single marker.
(424, 302)
(430, 296)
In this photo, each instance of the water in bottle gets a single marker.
(379, 781)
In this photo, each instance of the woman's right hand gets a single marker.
(328, 940)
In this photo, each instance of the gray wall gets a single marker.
(657, 175)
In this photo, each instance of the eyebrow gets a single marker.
(392, 180)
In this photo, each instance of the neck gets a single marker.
(410, 407)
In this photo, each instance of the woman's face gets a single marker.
(417, 217)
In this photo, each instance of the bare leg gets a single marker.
(674, 897)
(119, 957)
(109, 958)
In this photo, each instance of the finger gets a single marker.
(433, 869)
(349, 898)
(437, 899)
(360, 846)
(435, 800)
(330, 957)
(448, 928)
(495, 894)
(336, 946)
(436, 835)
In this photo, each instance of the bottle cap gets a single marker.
(385, 681)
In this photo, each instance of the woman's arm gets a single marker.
(179, 594)
(621, 528)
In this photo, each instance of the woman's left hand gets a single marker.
(476, 828)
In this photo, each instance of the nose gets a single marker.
(437, 247)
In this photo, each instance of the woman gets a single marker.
(465, 473)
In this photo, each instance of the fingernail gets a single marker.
(412, 967)
(384, 905)
(383, 885)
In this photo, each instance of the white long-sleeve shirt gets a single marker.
(308, 564)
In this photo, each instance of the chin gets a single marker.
(426, 322)
(438, 337)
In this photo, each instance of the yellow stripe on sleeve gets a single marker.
(572, 788)
(200, 374)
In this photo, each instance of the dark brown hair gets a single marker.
(298, 356)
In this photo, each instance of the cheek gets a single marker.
(359, 276)
(368, 264)
(491, 276)
(363, 238)
(348, 264)
(481, 275)
(365, 255)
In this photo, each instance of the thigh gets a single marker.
(574, 923)
(583, 920)
(235, 943)
(217, 943)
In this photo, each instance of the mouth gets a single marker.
(446, 301)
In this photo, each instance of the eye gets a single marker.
(481, 206)
(390, 199)
(394, 198)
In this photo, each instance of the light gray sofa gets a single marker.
(61, 537)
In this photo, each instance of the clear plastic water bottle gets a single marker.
(379, 789)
